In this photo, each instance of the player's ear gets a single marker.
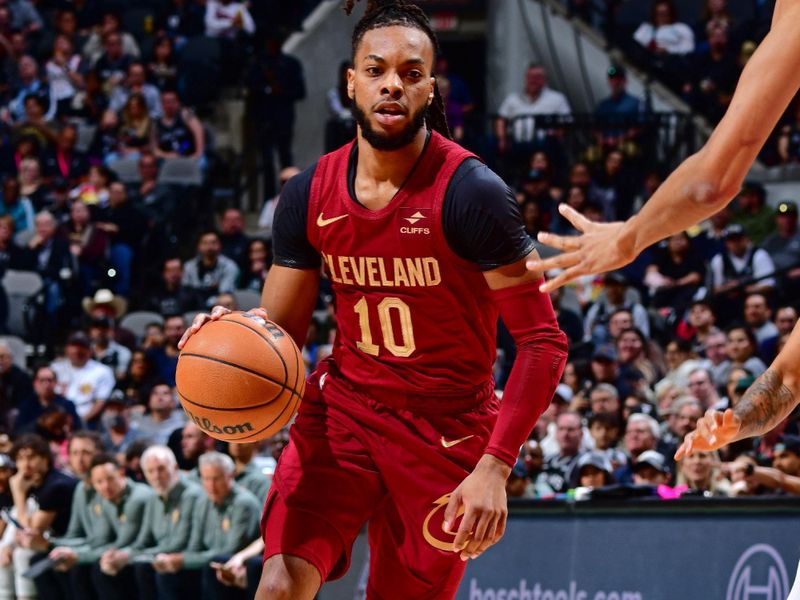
(351, 77)
(432, 93)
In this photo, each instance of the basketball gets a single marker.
(241, 378)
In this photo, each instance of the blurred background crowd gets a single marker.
(121, 217)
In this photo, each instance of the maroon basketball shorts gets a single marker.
(352, 460)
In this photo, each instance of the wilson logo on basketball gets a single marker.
(207, 425)
(273, 329)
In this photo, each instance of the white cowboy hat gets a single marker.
(106, 297)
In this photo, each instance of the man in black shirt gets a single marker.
(169, 296)
(15, 384)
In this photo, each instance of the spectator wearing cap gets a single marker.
(43, 399)
(617, 113)
(701, 387)
(518, 109)
(752, 213)
(757, 316)
(593, 470)
(651, 468)
(676, 273)
(614, 298)
(641, 434)
(741, 268)
(123, 504)
(558, 468)
(82, 379)
(700, 473)
(105, 349)
(15, 383)
(162, 417)
(783, 246)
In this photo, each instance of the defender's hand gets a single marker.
(483, 497)
(596, 250)
(714, 430)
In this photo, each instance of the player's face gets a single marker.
(391, 85)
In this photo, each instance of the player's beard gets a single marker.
(381, 141)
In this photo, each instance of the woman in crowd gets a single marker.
(663, 34)
(64, 74)
(258, 263)
(88, 244)
(136, 128)
(700, 473)
(741, 348)
(163, 70)
(633, 355)
(18, 208)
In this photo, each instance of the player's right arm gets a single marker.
(766, 403)
(292, 284)
(705, 182)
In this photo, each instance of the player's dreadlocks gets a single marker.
(387, 13)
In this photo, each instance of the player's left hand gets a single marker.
(482, 499)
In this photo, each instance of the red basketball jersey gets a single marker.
(413, 317)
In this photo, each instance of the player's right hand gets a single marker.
(595, 250)
(216, 313)
(713, 431)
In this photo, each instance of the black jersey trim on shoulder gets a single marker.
(290, 244)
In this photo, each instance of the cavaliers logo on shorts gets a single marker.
(432, 526)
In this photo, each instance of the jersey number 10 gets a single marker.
(385, 307)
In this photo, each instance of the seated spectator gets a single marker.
(258, 263)
(42, 503)
(135, 84)
(166, 527)
(106, 138)
(604, 429)
(757, 316)
(162, 417)
(135, 131)
(84, 381)
(106, 303)
(91, 102)
(267, 214)
(682, 418)
(233, 238)
(612, 189)
(741, 268)
(783, 247)
(248, 475)
(31, 186)
(17, 207)
(191, 442)
(177, 132)
(115, 427)
(752, 212)
(105, 349)
(592, 471)
(596, 320)
(518, 109)
(676, 274)
(88, 244)
(698, 475)
(15, 384)
(126, 226)
(715, 72)
(702, 388)
(165, 358)
(578, 199)
(25, 18)
(64, 160)
(94, 191)
(30, 85)
(100, 46)
(741, 350)
(210, 272)
(641, 434)
(44, 399)
(785, 320)
(663, 34)
(559, 467)
(35, 123)
(739, 379)
(169, 296)
(225, 521)
(12, 256)
(64, 73)
(163, 69)
(123, 506)
(698, 324)
(135, 385)
(228, 18)
(789, 140)
(651, 469)
(634, 360)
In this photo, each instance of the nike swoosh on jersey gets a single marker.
(323, 222)
(451, 443)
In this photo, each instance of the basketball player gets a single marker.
(424, 246)
(697, 189)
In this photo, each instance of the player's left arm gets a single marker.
(482, 224)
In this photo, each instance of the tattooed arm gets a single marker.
(767, 402)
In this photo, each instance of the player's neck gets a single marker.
(388, 166)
